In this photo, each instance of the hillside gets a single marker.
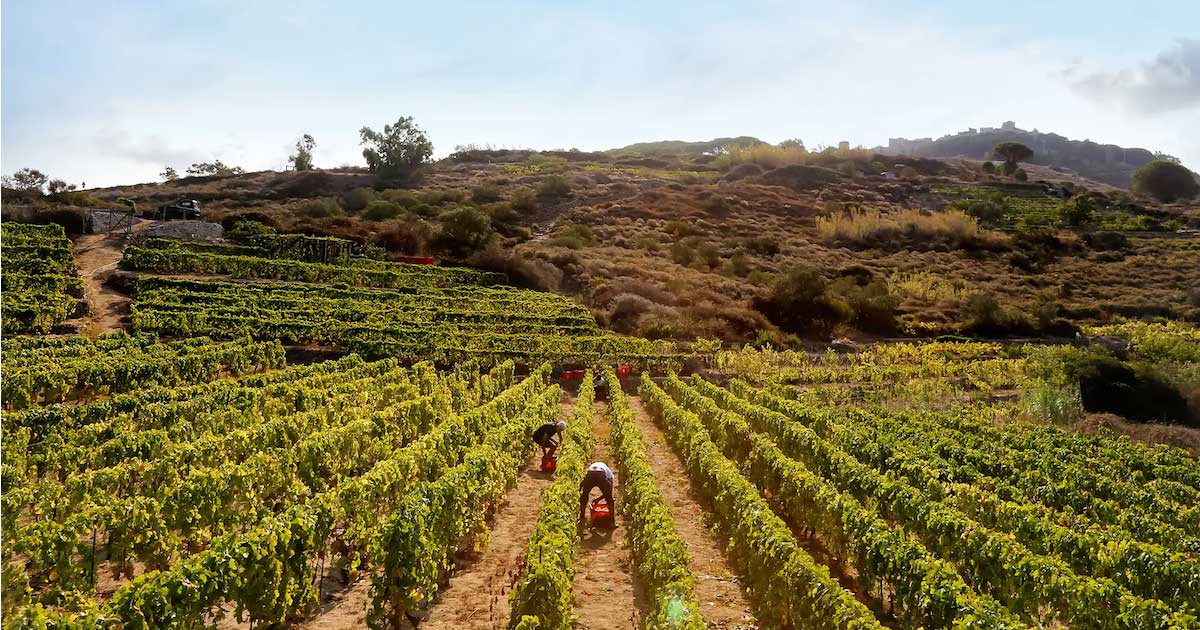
(684, 246)
(1106, 163)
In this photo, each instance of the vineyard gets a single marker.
(39, 277)
(400, 310)
(292, 435)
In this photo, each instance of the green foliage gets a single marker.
(302, 159)
(398, 151)
(245, 231)
(465, 229)
(988, 167)
(356, 200)
(1166, 181)
(544, 591)
(381, 210)
(1012, 153)
(169, 174)
(799, 302)
(320, 207)
(26, 180)
(1020, 175)
(1079, 210)
(216, 168)
(524, 201)
(574, 236)
(554, 187)
(486, 193)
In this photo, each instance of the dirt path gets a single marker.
(477, 596)
(95, 256)
(723, 603)
(606, 597)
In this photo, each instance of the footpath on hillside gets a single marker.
(96, 256)
(723, 602)
(606, 596)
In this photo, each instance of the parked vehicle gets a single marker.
(181, 209)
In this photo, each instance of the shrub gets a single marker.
(245, 231)
(1020, 175)
(486, 193)
(798, 302)
(411, 236)
(527, 273)
(988, 168)
(574, 236)
(872, 305)
(319, 208)
(1166, 181)
(465, 228)
(624, 311)
(761, 245)
(554, 187)
(382, 210)
(647, 242)
(1079, 210)
(873, 228)
(523, 201)
(992, 210)
(1134, 390)
(356, 200)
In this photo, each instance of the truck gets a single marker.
(180, 209)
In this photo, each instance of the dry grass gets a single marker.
(869, 226)
(926, 287)
(770, 156)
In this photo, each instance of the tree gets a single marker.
(58, 186)
(989, 168)
(398, 151)
(1166, 181)
(302, 160)
(1159, 155)
(792, 143)
(213, 168)
(1012, 153)
(26, 180)
(1079, 210)
(169, 174)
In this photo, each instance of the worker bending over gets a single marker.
(598, 475)
(549, 436)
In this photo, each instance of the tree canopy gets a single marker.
(1166, 181)
(303, 158)
(1012, 153)
(398, 151)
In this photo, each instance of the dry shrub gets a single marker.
(872, 227)
(528, 273)
(411, 236)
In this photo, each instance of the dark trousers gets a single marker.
(595, 479)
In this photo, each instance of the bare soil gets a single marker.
(606, 594)
(723, 602)
(96, 256)
(477, 596)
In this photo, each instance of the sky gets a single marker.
(106, 93)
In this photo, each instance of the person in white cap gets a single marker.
(598, 475)
(549, 436)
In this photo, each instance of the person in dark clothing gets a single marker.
(601, 388)
(598, 475)
(549, 436)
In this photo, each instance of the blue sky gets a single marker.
(108, 93)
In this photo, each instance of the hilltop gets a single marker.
(1108, 163)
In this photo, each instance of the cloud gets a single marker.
(1170, 81)
(147, 150)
